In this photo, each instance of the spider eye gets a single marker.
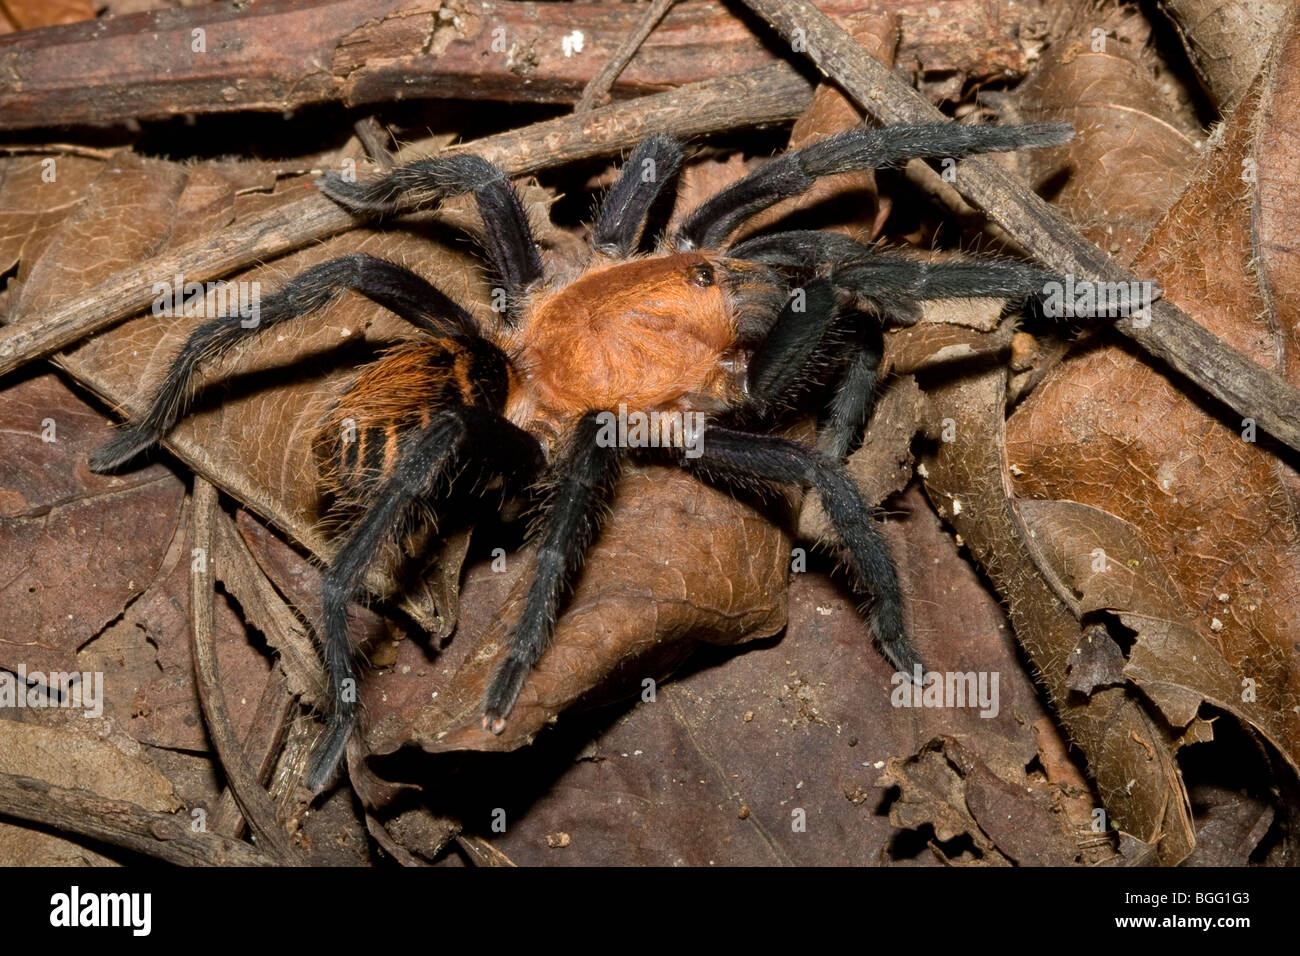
(702, 276)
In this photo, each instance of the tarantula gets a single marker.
(685, 324)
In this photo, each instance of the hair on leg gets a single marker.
(650, 170)
(878, 276)
(584, 479)
(509, 240)
(866, 271)
(735, 454)
(797, 338)
(392, 286)
(854, 400)
(780, 362)
(805, 249)
(425, 462)
(793, 173)
(454, 436)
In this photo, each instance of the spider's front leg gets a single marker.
(652, 168)
(452, 437)
(731, 454)
(583, 480)
(854, 401)
(887, 285)
(777, 365)
(794, 173)
(791, 347)
(893, 283)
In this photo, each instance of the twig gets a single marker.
(374, 140)
(279, 55)
(264, 608)
(770, 95)
(297, 671)
(118, 823)
(599, 84)
(253, 801)
(60, 149)
(265, 737)
(1168, 334)
(481, 852)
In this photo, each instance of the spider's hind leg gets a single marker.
(420, 461)
(392, 286)
(426, 461)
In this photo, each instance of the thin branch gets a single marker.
(1168, 334)
(253, 801)
(60, 149)
(374, 140)
(600, 83)
(264, 608)
(164, 836)
(481, 852)
(296, 673)
(265, 738)
(280, 55)
(771, 95)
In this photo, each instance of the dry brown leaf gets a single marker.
(155, 682)
(66, 758)
(675, 561)
(1134, 144)
(967, 480)
(947, 786)
(29, 14)
(256, 443)
(1107, 564)
(1227, 42)
(37, 195)
(65, 531)
(714, 767)
(1215, 507)
(1100, 420)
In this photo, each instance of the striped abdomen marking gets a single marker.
(363, 435)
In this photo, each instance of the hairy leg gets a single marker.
(887, 286)
(855, 394)
(879, 276)
(647, 173)
(585, 475)
(779, 364)
(798, 340)
(868, 272)
(392, 286)
(511, 247)
(793, 173)
(452, 437)
(741, 455)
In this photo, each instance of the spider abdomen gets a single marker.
(361, 438)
